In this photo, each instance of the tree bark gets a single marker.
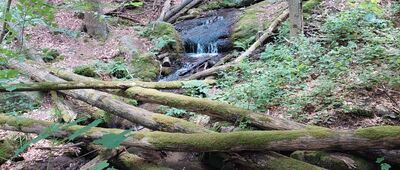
(95, 26)
(311, 138)
(184, 10)
(109, 104)
(4, 27)
(212, 108)
(62, 111)
(166, 7)
(175, 10)
(296, 17)
(48, 86)
(254, 46)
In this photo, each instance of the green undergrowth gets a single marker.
(306, 75)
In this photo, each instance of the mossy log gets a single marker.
(163, 122)
(310, 138)
(49, 86)
(211, 108)
(110, 104)
(333, 161)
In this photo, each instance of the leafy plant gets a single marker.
(85, 70)
(111, 141)
(134, 4)
(196, 88)
(383, 165)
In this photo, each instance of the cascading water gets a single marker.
(204, 38)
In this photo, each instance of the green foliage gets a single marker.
(8, 73)
(353, 25)
(111, 141)
(384, 166)
(49, 54)
(85, 70)
(42, 135)
(134, 4)
(16, 103)
(84, 129)
(196, 88)
(115, 68)
(308, 76)
(164, 36)
(245, 44)
(174, 112)
(162, 42)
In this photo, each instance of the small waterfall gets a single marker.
(198, 50)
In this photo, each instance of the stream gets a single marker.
(206, 39)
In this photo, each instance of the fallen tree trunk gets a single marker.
(175, 10)
(183, 10)
(166, 7)
(109, 104)
(164, 122)
(212, 108)
(48, 86)
(254, 46)
(333, 160)
(310, 138)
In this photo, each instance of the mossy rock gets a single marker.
(85, 70)
(255, 19)
(163, 31)
(17, 103)
(333, 161)
(145, 67)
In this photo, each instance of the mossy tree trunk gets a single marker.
(311, 138)
(212, 108)
(110, 104)
(4, 27)
(48, 86)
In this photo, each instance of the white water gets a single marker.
(201, 50)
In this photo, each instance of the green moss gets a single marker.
(319, 132)
(85, 70)
(225, 141)
(309, 5)
(284, 162)
(145, 67)
(253, 21)
(379, 132)
(163, 31)
(178, 124)
(330, 161)
(131, 161)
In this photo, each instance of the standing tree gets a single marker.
(295, 17)
(94, 24)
